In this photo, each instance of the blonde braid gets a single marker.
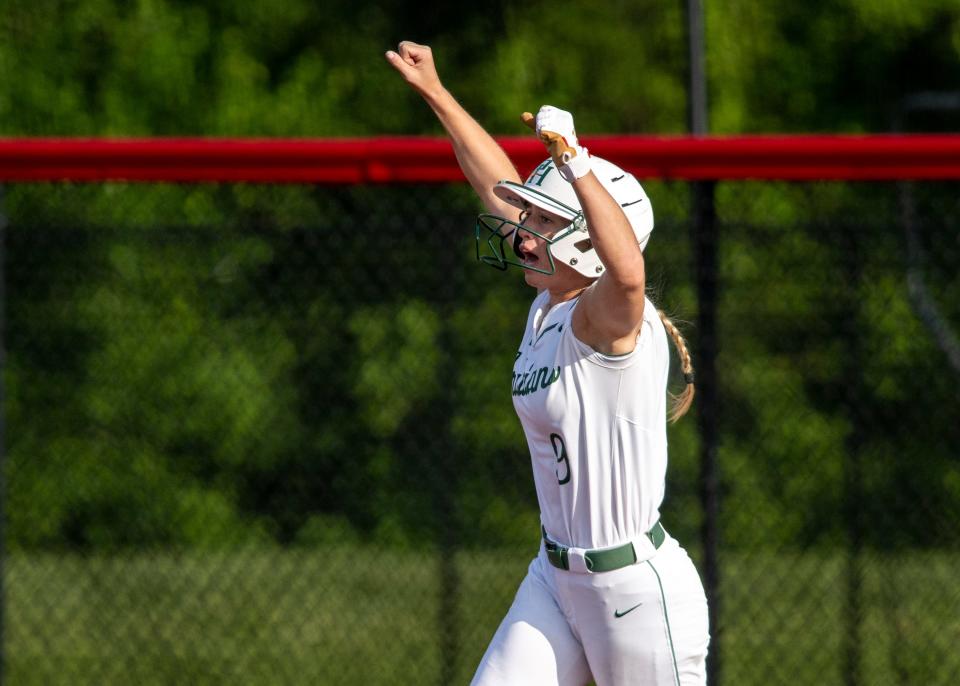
(680, 403)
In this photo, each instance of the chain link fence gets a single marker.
(263, 434)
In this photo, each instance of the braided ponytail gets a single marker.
(680, 403)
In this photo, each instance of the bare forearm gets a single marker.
(481, 158)
(611, 234)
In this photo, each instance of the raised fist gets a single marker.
(555, 128)
(416, 66)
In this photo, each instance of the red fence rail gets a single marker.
(431, 160)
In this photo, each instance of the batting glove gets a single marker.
(555, 128)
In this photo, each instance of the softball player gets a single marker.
(611, 596)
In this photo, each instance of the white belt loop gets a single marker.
(577, 561)
(643, 548)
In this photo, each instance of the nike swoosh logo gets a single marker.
(618, 614)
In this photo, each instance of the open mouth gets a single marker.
(528, 258)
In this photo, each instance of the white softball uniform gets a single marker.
(596, 428)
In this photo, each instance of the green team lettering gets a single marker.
(540, 173)
(534, 380)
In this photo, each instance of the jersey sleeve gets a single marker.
(651, 344)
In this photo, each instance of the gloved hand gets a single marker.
(555, 128)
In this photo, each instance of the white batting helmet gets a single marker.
(546, 189)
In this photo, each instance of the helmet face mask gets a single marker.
(501, 238)
(547, 190)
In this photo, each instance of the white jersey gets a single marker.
(596, 427)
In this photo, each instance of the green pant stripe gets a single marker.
(666, 617)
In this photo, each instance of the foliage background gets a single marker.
(239, 418)
(286, 435)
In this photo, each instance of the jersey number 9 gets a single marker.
(560, 450)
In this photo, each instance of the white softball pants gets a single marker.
(642, 625)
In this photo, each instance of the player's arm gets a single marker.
(610, 312)
(482, 160)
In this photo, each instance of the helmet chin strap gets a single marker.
(516, 244)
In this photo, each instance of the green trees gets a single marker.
(209, 366)
(162, 67)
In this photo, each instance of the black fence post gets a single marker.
(853, 471)
(704, 238)
(446, 491)
(697, 84)
(448, 620)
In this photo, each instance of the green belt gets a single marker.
(605, 560)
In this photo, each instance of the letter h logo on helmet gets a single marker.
(540, 173)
